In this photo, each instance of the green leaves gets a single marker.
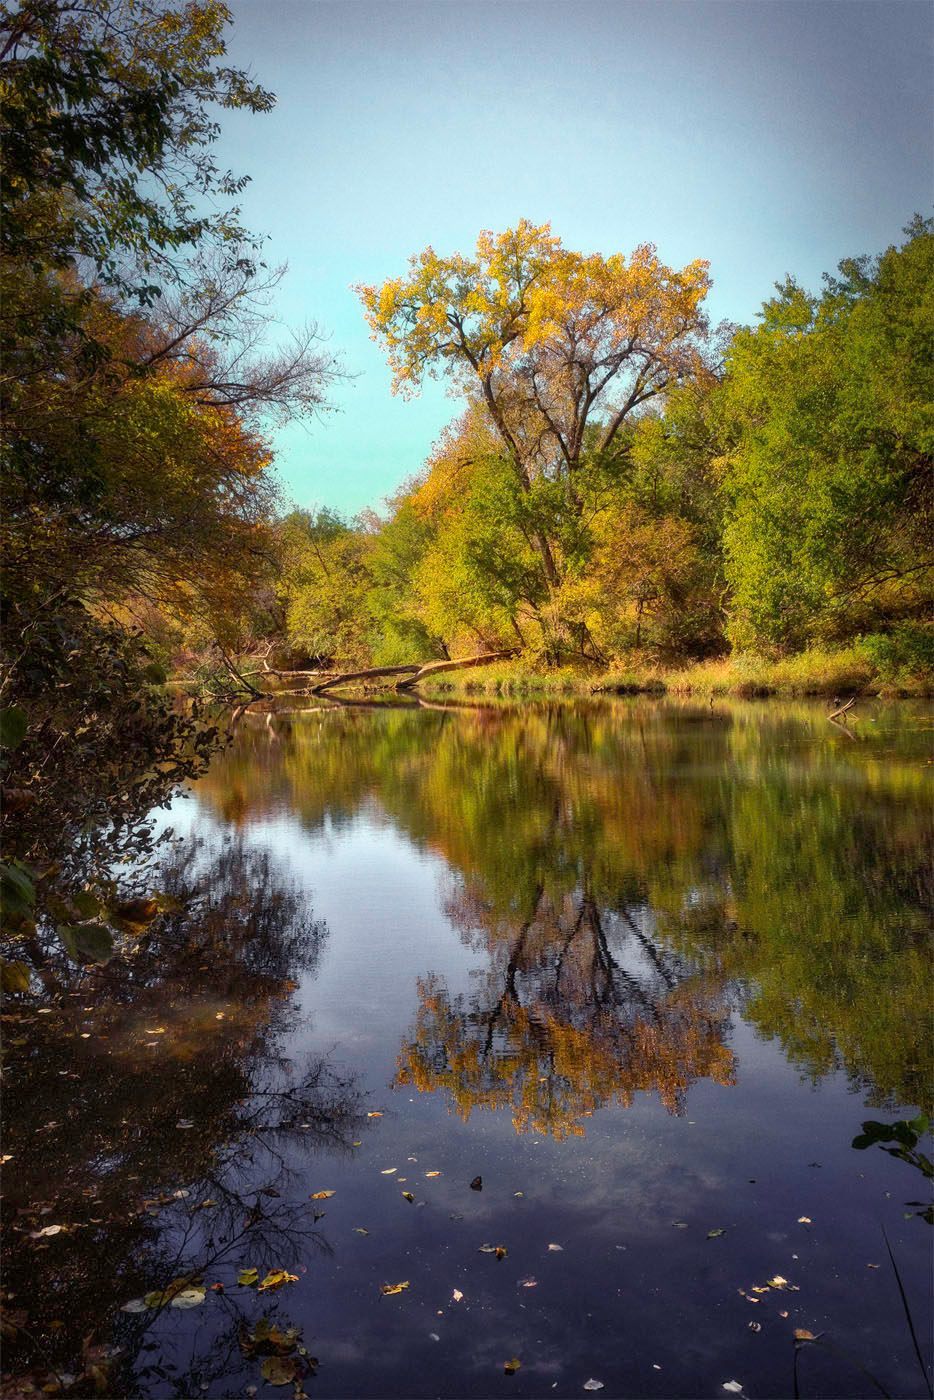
(13, 725)
(17, 891)
(87, 943)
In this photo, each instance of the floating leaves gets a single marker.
(48, 1230)
(321, 1195)
(593, 1385)
(528, 1283)
(556, 1247)
(805, 1220)
(477, 1184)
(457, 1296)
(432, 1174)
(247, 1277)
(377, 1113)
(408, 1196)
(188, 1298)
(275, 1279)
(511, 1366)
(803, 1335)
(388, 1171)
(734, 1387)
(279, 1370)
(388, 1289)
(180, 1293)
(135, 1305)
(713, 1234)
(359, 1230)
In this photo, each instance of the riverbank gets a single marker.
(840, 673)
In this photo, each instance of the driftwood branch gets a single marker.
(843, 708)
(434, 668)
(346, 677)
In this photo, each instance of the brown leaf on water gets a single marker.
(377, 1113)
(279, 1370)
(511, 1366)
(321, 1195)
(803, 1335)
(501, 1251)
(432, 1173)
(408, 1196)
(389, 1288)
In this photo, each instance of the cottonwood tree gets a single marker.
(560, 347)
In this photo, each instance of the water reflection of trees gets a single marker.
(152, 1113)
(580, 1008)
(766, 848)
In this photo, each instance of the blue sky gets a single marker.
(768, 138)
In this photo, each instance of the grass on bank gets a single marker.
(742, 675)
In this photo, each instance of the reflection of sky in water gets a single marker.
(631, 1298)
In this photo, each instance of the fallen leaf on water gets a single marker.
(477, 1184)
(679, 1224)
(501, 1251)
(432, 1173)
(359, 1230)
(247, 1277)
(872, 1266)
(389, 1288)
(187, 1298)
(734, 1387)
(217, 1288)
(777, 1282)
(411, 1159)
(321, 1195)
(528, 1283)
(180, 1195)
(275, 1279)
(512, 1365)
(408, 1196)
(804, 1220)
(279, 1370)
(48, 1230)
(388, 1171)
(518, 1194)
(376, 1114)
(487, 1249)
(593, 1385)
(457, 1296)
(783, 1314)
(760, 1288)
(803, 1335)
(135, 1305)
(158, 1030)
(556, 1246)
(754, 1326)
(712, 1234)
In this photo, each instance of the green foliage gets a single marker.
(829, 480)
(906, 651)
(108, 116)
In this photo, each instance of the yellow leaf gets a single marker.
(321, 1195)
(389, 1288)
(275, 1279)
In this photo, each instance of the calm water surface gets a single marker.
(643, 969)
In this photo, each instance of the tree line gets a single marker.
(626, 478)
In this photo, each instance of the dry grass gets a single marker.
(814, 672)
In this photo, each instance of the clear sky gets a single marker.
(767, 136)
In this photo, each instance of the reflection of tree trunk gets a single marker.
(512, 967)
(649, 947)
